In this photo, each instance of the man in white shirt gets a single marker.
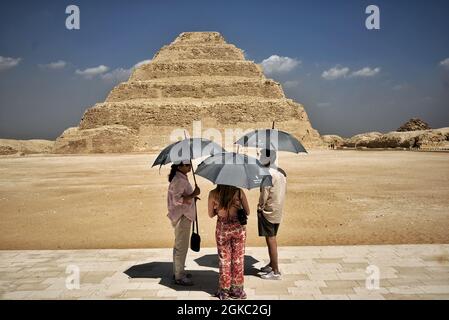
(269, 211)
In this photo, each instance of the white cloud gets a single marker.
(277, 64)
(117, 75)
(365, 72)
(7, 63)
(445, 63)
(291, 84)
(89, 73)
(335, 73)
(338, 72)
(54, 65)
(120, 74)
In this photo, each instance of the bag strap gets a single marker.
(240, 198)
(227, 210)
(195, 222)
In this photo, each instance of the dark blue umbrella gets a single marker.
(234, 169)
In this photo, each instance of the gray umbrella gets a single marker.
(271, 139)
(234, 169)
(186, 150)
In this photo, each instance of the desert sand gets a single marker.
(119, 201)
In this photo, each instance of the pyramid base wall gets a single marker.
(153, 138)
(107, 139)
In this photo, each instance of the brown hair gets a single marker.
(225, 195)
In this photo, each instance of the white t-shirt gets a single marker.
(271, 200)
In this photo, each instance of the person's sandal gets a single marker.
(237, 293)
(223, 294)
(184, 282)
(187, 275)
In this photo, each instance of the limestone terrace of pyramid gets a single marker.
(197, 77)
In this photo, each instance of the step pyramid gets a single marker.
(198, 77)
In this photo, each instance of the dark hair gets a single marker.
(171, 175)
(225, 195)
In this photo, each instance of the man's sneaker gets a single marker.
(266, 269)
(184, 282)
(271, 276)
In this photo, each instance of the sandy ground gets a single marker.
(119, 201)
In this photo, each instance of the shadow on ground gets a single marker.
(204, 280)
(211, 261)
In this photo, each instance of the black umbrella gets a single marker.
(187, 149)
(234, 169)
(271, 139)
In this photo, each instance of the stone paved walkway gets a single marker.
(405, 272)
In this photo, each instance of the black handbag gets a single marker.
(241, 213)
(195, 239)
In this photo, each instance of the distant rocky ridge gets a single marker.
(197, 77)
(24, 147)
(409, 137)
(414, 124)
(333, 141)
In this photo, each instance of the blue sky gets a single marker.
(350, 79)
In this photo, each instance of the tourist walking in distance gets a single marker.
(181, 211)
(224, 202)
(269, 212)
